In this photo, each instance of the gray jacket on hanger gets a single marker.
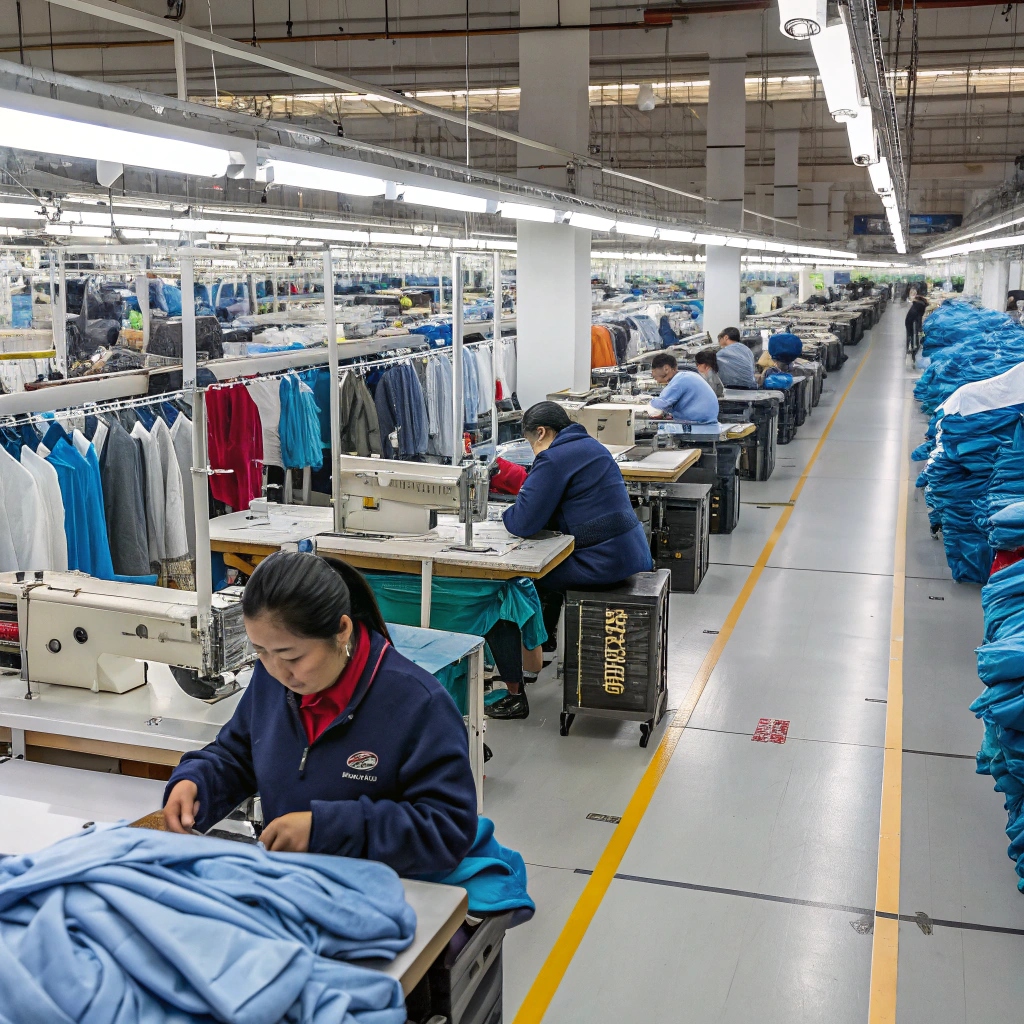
(360, 431)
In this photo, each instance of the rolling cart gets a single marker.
(616, 652)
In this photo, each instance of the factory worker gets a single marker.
(575, 487)
(685, 395)
(707, 366)
(353, 749)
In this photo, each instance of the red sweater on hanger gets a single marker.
(235, 437)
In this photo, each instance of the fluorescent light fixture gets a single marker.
(624, 227)
(801, 19)
(881, 180)
(757, 244)
(391, 238)
(442, 200)
(834, 57)
(42, 133)
(774, 247)
(520, 211)
(589, 221)
(738, 243)
(710, 239)
(323, 179)
(20, 211)
(672, 235)
(861, 132)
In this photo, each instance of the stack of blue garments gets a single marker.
(965, 344)
(1001, 706)
(1006, 528)
(1002, 514)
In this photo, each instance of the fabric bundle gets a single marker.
(122, 924)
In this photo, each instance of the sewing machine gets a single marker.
(75, 630)
(388, 497)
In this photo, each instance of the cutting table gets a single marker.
(42, 803)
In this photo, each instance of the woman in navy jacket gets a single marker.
(574, 486)
(353, 749)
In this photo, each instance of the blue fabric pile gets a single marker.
(1001, 706)
(1006, 528)
(126, 925)
(1002, 514)
(965, 344)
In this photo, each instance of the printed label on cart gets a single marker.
(615, 620)
(362, 761)
(771, 730)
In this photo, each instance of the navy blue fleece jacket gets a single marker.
(389, 780)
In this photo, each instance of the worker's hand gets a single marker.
(182, 807)
(289, 833)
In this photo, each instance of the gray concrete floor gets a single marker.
(791, 831)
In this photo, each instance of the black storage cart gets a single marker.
(719, 468)
(757, 451)
(616, 652)
(680, 537)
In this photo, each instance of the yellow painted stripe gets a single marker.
(545, 985)
(885, 944)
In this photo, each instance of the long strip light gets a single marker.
(323, 179)
(522, 211)
(962, 249)
(62, 136)
(590, 222)
(443, 200)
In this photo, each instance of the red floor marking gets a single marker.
(771, 730)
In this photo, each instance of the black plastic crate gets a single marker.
(680, 542)
(720, 471)
(616, 652)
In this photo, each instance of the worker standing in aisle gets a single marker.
(575, 487)
(914, 319)
(353, 749)
(735, 360)
(685, 396)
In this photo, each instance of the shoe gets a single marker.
(550, 645)
(493, 696)
(515, 705)
(530, 677)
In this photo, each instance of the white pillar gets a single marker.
(995, 284)
(814, 207)
(553, 260)
(1015, 275)
(726, 158)
(805, 290)
(787, 160)
(837, 214)
(972, 279)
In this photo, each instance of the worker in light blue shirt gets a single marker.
(685, 396)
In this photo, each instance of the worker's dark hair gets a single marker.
(545, 414)
(732, 333)
(707, 357)
(310, 594)
(664, 359)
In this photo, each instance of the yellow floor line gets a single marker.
(545, 985)
(885, 942)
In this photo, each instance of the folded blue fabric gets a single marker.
(127, 925)
(494, 877)
(778, 382)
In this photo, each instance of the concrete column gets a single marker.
(814, 208)
(837, 214)
(972, 279)
(804, 288)
(1015, 275)
(787, 160)
(553, 260)
(726, 158)
(995, 284)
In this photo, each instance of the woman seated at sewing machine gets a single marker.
(575, 487)
(353, 749)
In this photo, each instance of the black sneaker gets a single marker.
(515, 705)
(550, 645)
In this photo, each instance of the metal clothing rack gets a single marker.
(91, 408)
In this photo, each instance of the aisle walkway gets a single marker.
(744, 893)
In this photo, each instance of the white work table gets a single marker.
(42, 803)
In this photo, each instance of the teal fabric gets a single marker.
(462, 606)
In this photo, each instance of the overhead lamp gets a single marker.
(672, 235)
(838, 73)
(645, 99)
(801, 19)
(323, 179)
(624, 227)
(63, 136)
(710, 239)
(391, 238)
(881, 180)
(774, 247)
(442, 200)
(756, 244)
(738, 243)
(521, 211)
(861, 132)
(590, 222)
(20, 211)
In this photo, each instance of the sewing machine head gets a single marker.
(74, 630)
(391, 497)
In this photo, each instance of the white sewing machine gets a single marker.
(389, 497)
(75, 630)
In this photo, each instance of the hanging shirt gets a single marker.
(235, 443)
(165, 510)
(123, 475)
(299, 425)
(470, 388)
(485, 382)
(24, 536)
(52, 505)
(267, 396)
(181, 438)
(439, 405)
(688, 397)
(319, 710)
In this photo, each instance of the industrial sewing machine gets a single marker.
(75, 630)
(388, 497)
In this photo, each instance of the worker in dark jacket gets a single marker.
(915, 315)
(353, 749)
(574, 486)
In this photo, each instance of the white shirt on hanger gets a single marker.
(165, 509)
(181, 437)
(52, 504)
(267, 396)
(24, 539)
